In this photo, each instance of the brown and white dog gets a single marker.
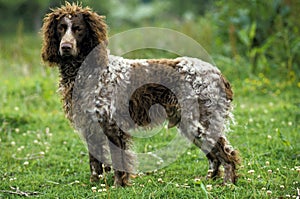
(92, 84)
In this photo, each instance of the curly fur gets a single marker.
(110, 74)
(50, 40)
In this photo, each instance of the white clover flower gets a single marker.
(267, 163)
(209, 187)
(270, 171)
(251, 171)
(160, 180)
(269, 137)
(282, 186)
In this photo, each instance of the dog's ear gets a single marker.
(97, 28)
(97, 36)
(50, 39)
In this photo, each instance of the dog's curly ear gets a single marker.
(97, 28)
(50, 39)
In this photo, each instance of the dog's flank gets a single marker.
(75, 37)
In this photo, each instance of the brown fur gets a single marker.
(164, 62)
(227, 88)
(50, 40)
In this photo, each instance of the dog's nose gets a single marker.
(66, 46)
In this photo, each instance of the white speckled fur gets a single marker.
(203, 77)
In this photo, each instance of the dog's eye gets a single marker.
(62, 27)
(77, 28)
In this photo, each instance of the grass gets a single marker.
(41, 156)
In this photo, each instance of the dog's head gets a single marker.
(71, 31)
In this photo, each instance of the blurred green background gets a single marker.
(248, 37)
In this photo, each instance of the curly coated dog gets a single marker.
(104, 95)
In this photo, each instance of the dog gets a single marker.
(92, 83)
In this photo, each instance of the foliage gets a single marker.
(264, 31)
(265, 34)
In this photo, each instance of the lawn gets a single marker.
(41, 155)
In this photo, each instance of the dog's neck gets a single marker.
(68, 71)
(69, 66)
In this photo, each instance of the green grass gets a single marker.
(40, 154)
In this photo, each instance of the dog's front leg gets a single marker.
(98, 148)
(122, 158)
(97, 168)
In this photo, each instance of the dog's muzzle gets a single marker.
(68, 45)
(66, 49)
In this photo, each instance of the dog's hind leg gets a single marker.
(206, 131)
(214, 144)
(222, 154)
(228, 157)
(214, 165)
